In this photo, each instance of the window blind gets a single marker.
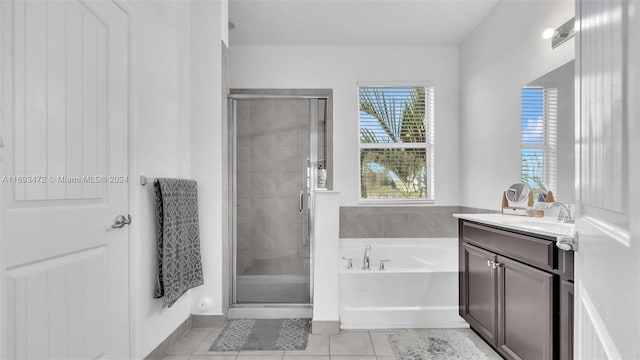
(396, 143)
(539, 124)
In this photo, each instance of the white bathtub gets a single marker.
(418, 288)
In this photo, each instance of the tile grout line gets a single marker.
(199, 344)
(372, 346)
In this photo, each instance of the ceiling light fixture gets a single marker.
(558, 36)
(548, 33)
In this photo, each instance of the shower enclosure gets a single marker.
(277, 143)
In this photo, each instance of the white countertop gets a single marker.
(547, 226)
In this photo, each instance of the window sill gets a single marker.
(395, 202)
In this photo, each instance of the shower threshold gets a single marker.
(270, 311)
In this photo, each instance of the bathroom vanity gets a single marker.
(516, 286)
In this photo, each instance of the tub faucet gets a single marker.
(365, 259)
(564, 215)
(382, 261)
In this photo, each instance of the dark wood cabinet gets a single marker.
(520, 299)
(480, 291)
(525, 311)
(566, 320)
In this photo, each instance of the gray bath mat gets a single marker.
(263, 334)
(434, 344)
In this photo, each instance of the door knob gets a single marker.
(121, 221)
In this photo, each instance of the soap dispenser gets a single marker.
(322, 177)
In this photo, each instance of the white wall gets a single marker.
(326, 297)
(206, 145)
(505, 52)
(224, 21)
(178, 135)
(340, 68)
(162, 148)
(4, 39)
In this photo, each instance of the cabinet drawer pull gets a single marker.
(489, 262)
(496, 264)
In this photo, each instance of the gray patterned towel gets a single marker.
(179, 263)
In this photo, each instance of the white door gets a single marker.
(607, 293)
(64, 178)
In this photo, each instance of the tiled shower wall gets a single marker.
(272, 137)
(273, 142)
(401, 221)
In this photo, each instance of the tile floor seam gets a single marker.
(376, 337)
(372, 346)
(199, 344)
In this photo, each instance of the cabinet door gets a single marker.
(566, 265)
(566, 320)
(525, 311)
(480, 291)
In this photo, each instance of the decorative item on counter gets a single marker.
(539, 208)
(533, 212)
(517, 199)
(546, 195)
(550, 198)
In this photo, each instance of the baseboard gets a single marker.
(159, 352)
(325, 327)
(208, 321)
(412, 325)
(271, 312)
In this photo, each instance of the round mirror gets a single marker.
(518, 193)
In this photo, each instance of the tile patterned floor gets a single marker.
(348, 345)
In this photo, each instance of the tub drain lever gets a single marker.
(382, 261)
(349, 262)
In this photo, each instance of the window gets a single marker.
(396, 143)
(539, 116)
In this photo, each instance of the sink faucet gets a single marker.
(365, 260)
(564, 215)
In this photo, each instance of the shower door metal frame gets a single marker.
(312, 186)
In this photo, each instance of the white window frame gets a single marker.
(549, 146)
(429, 145)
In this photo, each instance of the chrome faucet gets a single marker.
(365, 259)
(564, 215)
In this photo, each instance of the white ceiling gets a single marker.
(354, 22)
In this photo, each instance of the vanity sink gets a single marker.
(548, 226)
(545, 225)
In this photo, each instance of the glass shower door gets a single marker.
(272, 263)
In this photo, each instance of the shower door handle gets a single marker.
(301, 202)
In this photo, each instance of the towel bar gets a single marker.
(145, 180)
